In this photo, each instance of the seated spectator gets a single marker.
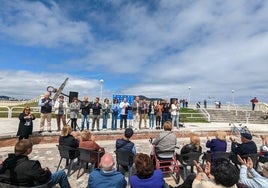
(255, 179)
(107, 176)
(165, 142)
(124, 144)
(146, 175)
(217, 144)
(88, 142)
(221, 173)
(17, 169)
(264, 146)
(193, 146)
(246, 147)
(67, 139)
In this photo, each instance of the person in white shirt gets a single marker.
(124, 107)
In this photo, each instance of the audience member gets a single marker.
(146, 175)
(107, 176)
(221, 173)
(124, 107)
(60, 110)
(165, 142)
(105, 113)
(246, 147)
(96, 114)
(115, 111)
(85, 112)
(74, 112)
(17, 169)
(26, 123)
(46, 104)
(88, 142)
(217, 144)
(264, 146)
(193, 146)
(125, 145)
(255, 180)
(67, 139)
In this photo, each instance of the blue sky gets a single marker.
(156, 48)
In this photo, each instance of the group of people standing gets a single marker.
(142, 112)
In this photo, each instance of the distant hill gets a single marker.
(4, 97)
(149, 99)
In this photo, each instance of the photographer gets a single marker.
(26, 123)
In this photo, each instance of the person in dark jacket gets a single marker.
(17, 169)
(67, 139)
(96, 107)
(246, 147)
(26, 123)
(217, 144)
(124, 144)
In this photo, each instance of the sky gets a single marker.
(186, 49)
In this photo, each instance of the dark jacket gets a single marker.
(70, 141)
(85, 106)
(244, 148)
(124, 145)
(25, 125)
(19, 170)
(96, 108)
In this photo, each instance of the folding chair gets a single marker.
(188, 160)
(125, 158)
(85, 157)
(68, 153)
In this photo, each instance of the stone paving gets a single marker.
(49, 157)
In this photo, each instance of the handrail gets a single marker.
(205, 113)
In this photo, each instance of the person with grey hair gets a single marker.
(106, 175)
(46, 104)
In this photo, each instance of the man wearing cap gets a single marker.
(246, 147)
(256, 180)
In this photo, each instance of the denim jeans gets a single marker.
(175, 118)
(123, 118)
(105, 119)
(83, 119)
(114, 121)
(60, 177)
(165, 117)
(151, 120)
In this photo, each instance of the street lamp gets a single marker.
(189, 94)
(101, 85)
(233, 95)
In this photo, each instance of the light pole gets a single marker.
(189, 94)
(233, 96)
(101, 85)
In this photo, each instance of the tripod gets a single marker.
(76, 125)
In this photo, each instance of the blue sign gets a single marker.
(130, 99)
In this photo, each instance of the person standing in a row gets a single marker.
(115, 111)
(74, 112)
(85, 107)
(96, 114)
(60, 111)
(124, 106)
(46, 104)
(105, 113)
